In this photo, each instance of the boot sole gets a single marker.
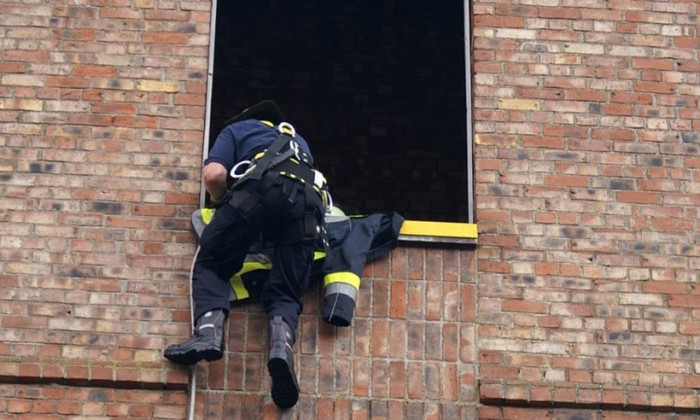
(192, 356)
(285, 390)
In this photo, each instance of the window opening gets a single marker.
(378, 89)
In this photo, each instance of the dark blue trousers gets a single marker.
(225, 242)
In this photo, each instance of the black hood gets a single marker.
(263, 110)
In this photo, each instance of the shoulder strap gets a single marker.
(272, 157)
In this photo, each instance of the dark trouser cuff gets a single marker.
(338, 309)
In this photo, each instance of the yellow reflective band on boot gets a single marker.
(319, 255)
(237, 279)
(346, 277)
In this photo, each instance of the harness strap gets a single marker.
(270, 158)
(268, 169)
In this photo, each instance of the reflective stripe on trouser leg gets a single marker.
(238, 289)
(345, 289)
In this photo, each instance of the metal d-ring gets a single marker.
(234, 171)
(288, 126)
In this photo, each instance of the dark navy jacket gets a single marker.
(243, 140)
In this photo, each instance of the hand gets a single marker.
(215, 202)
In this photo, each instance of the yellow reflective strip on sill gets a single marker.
(443, 229)
(346, 277)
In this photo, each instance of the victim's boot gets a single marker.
(280, 364)
(207, 343)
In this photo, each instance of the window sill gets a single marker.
(438, 232)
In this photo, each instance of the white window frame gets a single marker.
(411, 231)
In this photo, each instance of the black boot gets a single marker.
(280, 364)
(207, 343)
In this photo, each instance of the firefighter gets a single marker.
(275, 192)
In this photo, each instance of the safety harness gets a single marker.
(283, 158)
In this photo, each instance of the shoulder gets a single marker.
(242, 128)
(247, 124)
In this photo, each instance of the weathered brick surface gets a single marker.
(51, 402)
(407, 355)
(100, 153)
(586, 154)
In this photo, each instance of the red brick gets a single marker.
(566, 180)
(93, 71)
(638, 197)
(524, 306)
(544, 142)
(559, 13)
(684, 301)
(632, 98)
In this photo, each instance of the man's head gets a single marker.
(263, 110)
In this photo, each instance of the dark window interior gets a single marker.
(376, 87)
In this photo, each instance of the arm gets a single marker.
(215, 178)
(217, 165)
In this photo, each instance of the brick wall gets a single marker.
(409, 353)
(39, 402)
(101, 128)
(580, 296)
(588, 162)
